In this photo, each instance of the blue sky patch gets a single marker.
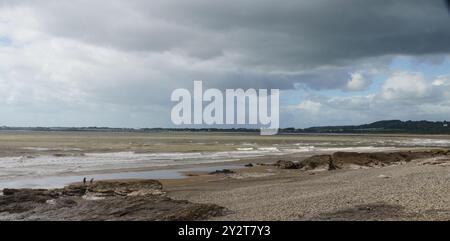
(5, 41)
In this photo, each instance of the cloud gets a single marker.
(404, 95)
(284, 37)
(357, 82)
(121, 59)
(309, 106)
(443, 80)
(406, 86)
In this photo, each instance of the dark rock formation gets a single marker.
(224, 171)
(22, 200)
(103, 200)
(314, 162)
(331, 165)
(341, 159)
(266, 164)
(286, 164)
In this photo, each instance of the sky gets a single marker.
(116, 62)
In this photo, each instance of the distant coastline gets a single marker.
(379, 127)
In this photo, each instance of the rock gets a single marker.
(21, 200)
(29, 193)
(316, 161)
(435, 161)
(266, 164)
(224, 171)
(75, 190)
(376, 159)
(93, 197)
(286, 164)
(249, 165)
(383, 176)
(67, 154)
(103, 200)
(126, 188)
(331, 165)
(101, 189)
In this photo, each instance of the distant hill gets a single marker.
(388, 126)
(380, 127)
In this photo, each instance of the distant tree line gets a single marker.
(381, 127)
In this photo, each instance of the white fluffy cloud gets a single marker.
(358, 82)
(309, 106)
(404, 95)
(443, 80)
(406, 86)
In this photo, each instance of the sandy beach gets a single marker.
(341, 177)
(411, 191)
(366, 189)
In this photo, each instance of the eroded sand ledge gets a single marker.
(342, 186)
(103, 200)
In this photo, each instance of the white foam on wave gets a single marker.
(306, 148)
(44, 165)
(37, 148)
(274, 149)
(355, 149)
(245, 149)
(47, 165)
(248, 144)
(425, 142)
(31, 148)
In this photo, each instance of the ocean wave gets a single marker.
(245, 149)
(274, 149)
(45, 165)
(425, 142)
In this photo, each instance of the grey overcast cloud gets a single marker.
(115, 63)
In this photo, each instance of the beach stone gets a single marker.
(287, 164)
(340, 160)
(383, 176)
(125, 188)
(316, 161)
(224, 171)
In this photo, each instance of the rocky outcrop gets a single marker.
(22, 200)
(286, 164)
(340, 160)
(313, 162)
(223, 171)
(103, 200)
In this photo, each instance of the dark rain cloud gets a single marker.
(283, 37)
